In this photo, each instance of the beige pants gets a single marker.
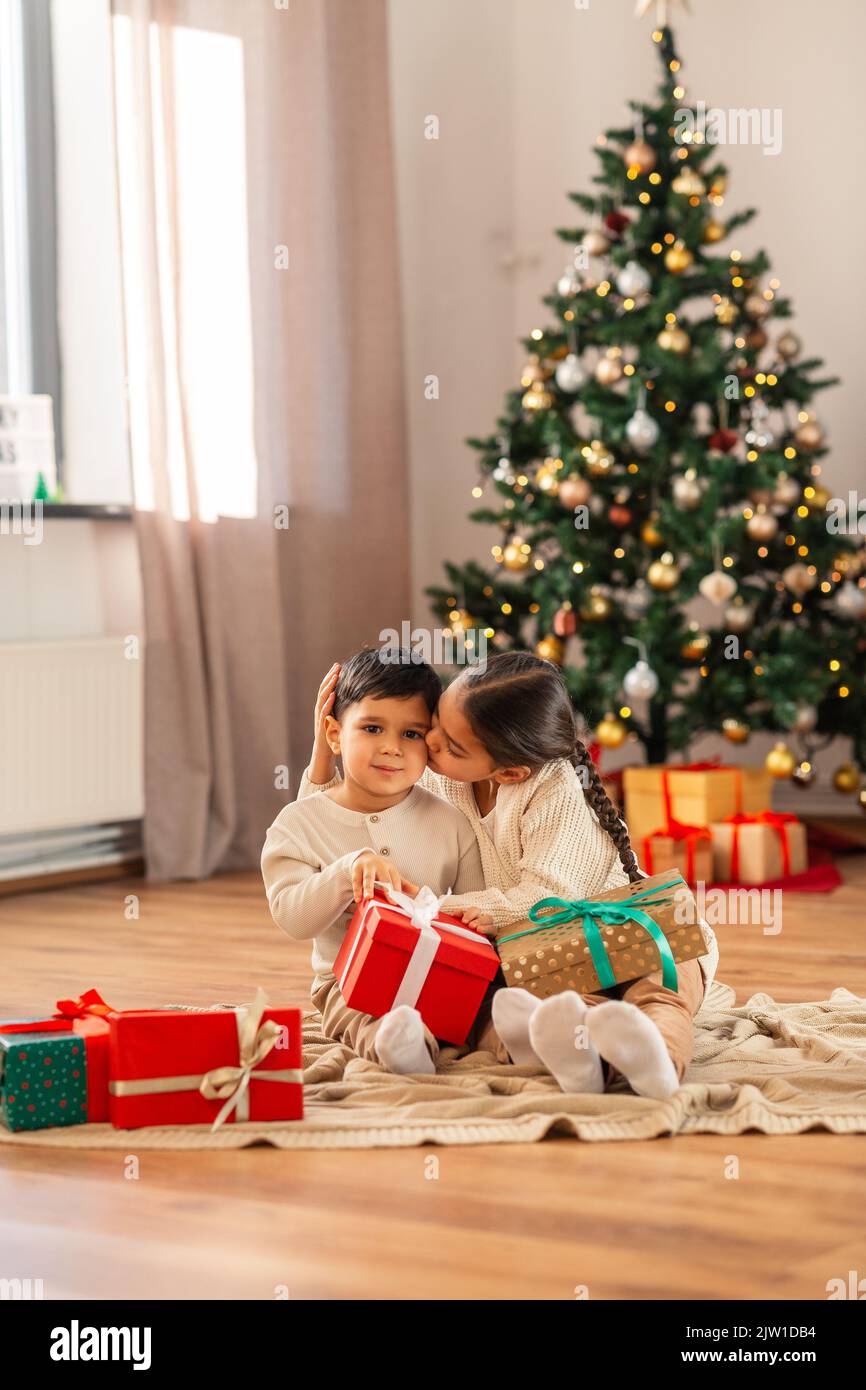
(672, 1013)
(359, 1030)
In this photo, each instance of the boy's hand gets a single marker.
(322, 763)
(367, 868)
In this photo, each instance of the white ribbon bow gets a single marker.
(421, 911)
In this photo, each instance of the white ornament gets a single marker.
(633, 280)
(637, 600)
(805, 719)
(642, 431)
(718, 587)
(570, 373)
(641, 682)
(850, 600)
(739, 617)
(798, 579)
(568, 284)
(687, 493)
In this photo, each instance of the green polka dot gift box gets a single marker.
(43, 1079)
(54, 1071)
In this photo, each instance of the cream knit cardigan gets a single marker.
(546, 842)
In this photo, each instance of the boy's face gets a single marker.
(381, 742)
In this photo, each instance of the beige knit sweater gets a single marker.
(311, 847)
(546, 842)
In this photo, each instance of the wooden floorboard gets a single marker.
(627, 1220)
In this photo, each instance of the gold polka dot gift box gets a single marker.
(590, 945)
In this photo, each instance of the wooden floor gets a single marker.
(628, 1220)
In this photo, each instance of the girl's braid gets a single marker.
(608, 816)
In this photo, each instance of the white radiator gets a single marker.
(72, 737)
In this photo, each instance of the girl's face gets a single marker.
(454, 751)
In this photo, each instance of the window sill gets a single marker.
(86, 511)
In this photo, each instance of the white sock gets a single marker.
(400, 1043)
(632, 1043)
(552, 1032)
(512, 1010)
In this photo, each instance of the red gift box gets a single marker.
(442, 970)
(188, 1067)
(87, 1017)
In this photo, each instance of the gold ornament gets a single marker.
(595, 242)
(663, 573)
(609, 370)
(551, 649)
(718, 586)
(756, 307)
(598, 461)
(640, 156)
(674, 339)
(596, 608)
(809, 436)
(650, 533)
(678, 258)
(818, 501)
(780, 761)
(861, 797)
(726, 312)
(547, 478)
(735, 731)
(537, 397)
(714, 231)
(788, 346)
(574, 491)
(762, 526)
(696, 645)
(846, 779)
(611, 732)
(514, 556)
(689, 184)
(798, 579)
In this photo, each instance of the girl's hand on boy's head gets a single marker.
(367, 868)
(322, 764)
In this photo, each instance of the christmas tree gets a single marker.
(661, 448)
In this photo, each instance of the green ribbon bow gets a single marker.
(612, 914)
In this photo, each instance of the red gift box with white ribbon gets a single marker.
(174, 1067)
(406, 951)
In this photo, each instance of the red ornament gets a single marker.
(616, 223)
(723, 440)
(565, 622)
(620, 517)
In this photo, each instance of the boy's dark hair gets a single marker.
(386, 673)
(520, 710)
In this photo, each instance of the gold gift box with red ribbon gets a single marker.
(758, 849)
(696, 794)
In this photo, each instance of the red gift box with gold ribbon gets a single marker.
(209, 1066)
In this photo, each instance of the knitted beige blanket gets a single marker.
(775, 1068)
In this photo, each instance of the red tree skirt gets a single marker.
(822, 876)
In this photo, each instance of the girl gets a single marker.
(503, 748)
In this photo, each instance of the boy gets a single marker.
(323, 854)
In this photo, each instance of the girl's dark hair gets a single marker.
(520, 710)
(383, 673)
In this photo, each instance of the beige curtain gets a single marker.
(257, 225)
